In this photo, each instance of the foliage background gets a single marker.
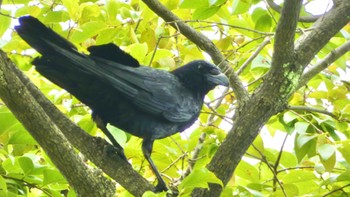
(302, 151)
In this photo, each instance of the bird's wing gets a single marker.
(154, 91)
(114, 53)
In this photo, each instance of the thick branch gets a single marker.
(325, 28)
(268, 100)
(323, 64)
(97, 150)
(201, 41)
(20, 101)
(284, 37)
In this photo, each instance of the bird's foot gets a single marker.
(160, 187)
(110, 149)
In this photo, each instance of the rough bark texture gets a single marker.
(18, 99)
(201, 41)
(45, 122)
(98, 150)
(280, 83)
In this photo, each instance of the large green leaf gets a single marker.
(87, 30)
(198, 178)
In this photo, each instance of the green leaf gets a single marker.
(204, 12)
(344, 149)
(247, 171)
(106, 36)
(319, 94)
(303, 139)
(198, 178)
(151, 194)
(11, 166)
(5, 21)
(330, 162)
(241, 6)
(86, 123)
(216, 2)
(345, 176)
(3, 185)
(288, 160)
(258, 144)
(139, 51)
(112, 10)
(301, 127)
(264, 24)
(53, 177)
(72, 6)
(160, 53)
(149, 36)
(303, 145)
(327, 156)
(21, 137)
(288, 190)
(246, 190)
(9, 122)
(26, 165)
(89, 10)
(297, 176)
(289, 117)
(260, 62)
(118, 135)
(56, 17)
(87, 30)
(194, 4)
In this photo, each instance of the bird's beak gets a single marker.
(219, 79)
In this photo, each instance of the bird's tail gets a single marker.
(41, 38)
(60, 62)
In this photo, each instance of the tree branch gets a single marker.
(24, 106)
(253, 56)
(268, 100)
(324, 29)
(100, 152)
(284, 37)
(304, 19)
(323, 64)
(202, 42)
(316, 110)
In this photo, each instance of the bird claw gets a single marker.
(160, 188)
(110, 149)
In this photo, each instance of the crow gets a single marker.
(145, 102)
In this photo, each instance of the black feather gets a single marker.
(142, 101)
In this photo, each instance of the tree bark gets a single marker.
(36, 112)
(202, 42)
(100, 152)
(86, 181)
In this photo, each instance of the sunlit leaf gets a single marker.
(205, 12)
(198, 178)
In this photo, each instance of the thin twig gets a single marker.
(306, 120)
(278, 160)
(253, 56)
(336, 190)
(271, 167)
(324, 63)
(313, 109)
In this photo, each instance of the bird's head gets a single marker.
(201, 75)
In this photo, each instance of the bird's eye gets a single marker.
(214, 71)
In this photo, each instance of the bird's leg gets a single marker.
(102, 125)
(147, 146)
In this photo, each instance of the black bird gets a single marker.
(140, 100)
